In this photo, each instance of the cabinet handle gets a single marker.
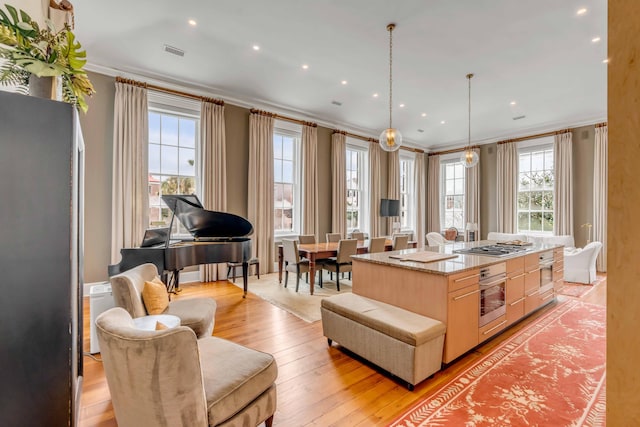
(517, 277)
(559, 271)
(466, 295)
(486, 285)
(466, 278)
(537, 291)
(551, 295)
(488, 331)
(517, 301)
(533, 271)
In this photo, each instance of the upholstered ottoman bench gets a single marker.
(401, 342)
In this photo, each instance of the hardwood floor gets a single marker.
(317, 385)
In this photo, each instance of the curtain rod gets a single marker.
(167, 90)
(279, 117)
(542, 135)
(374, 141)
(601, 125)
(454, 150)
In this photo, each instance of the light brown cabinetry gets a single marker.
(462, 321)
(515, 290)
(558, 268)
(531, 283)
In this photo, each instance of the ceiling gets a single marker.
(539, 54)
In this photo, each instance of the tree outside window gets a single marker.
(535, 190)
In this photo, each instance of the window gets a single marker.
(286, 195)
(357, 186)
(173, 156)
(452, 193)
(535, 188)
(407, 192)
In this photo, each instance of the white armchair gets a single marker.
(436, 239)
(566, 240)
(580, 264)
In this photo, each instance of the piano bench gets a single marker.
(234, 265)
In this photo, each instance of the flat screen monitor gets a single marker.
(389, 207)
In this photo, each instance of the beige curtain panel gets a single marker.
(433, 194)
(213, 166)
(260, 189)
(563, 184)
(472, 194)
(600, 195)
(393, 184)
(130, 187)
(419, 197)
(375, 153)
(339, 183)
(310, 180)
(507, 187)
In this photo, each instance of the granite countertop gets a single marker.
(458, 264)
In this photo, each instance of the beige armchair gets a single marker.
(196, 313)
(170, 378)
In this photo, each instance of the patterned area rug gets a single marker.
(551, 373)
(578, 290)
(301, 303)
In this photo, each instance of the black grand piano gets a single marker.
(217, 237)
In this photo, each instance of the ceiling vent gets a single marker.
(519, 117)
(336, 103)
(421, 130)
(173, 50)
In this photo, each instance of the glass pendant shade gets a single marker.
(469, 158)
(390, 139)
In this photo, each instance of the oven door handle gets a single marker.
(490, 284)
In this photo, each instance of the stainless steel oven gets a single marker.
(493, 280)
(546, 271)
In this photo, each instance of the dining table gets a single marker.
(317, 251)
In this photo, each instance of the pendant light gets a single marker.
(469, 158)
(390, 138)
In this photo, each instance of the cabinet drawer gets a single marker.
(515, 266)
(558, 254)
(531, 301)
(557, 285)
(515, 311)
(547, 297)
(531, 262)
(492, 328)
(463, 308)
(558, 272)
(532, 280)
(464, 279)
(515, 288)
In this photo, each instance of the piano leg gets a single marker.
(173, 282)
(245, 277)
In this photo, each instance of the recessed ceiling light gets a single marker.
(442, 122)
(605, 61)
(256, 47)
(424, 114)
(305, 67)
(375, 95)
(595, 40)
(344, 82)
(512, 103)
(192, 22)
(401, 105)
(581, 11)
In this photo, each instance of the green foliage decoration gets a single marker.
(27, 49)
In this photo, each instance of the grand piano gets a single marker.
(216, 237)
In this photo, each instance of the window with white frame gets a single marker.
(173, 156)
(535, 186)
(452, 193)
(357, 186)
(407, 191)
(286, 179)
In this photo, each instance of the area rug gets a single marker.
(552, 373)
(301, 303)
(578, 290)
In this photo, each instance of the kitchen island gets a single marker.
(476, 296)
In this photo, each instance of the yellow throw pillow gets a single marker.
(161, 326)
(155, 297)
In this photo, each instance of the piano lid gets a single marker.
(203, 223)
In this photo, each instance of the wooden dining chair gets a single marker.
(358, 235)
(333, 237)
(377, 244)
(292, 261)
(400, 241)
(342, 261)
(307, 238)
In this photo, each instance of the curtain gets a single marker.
(433, 194)
(393, 184)
(472, 194)
(310, 180)
(507, 187)
(420, 190)
(375, 153)
(563, 185)
(130, 192)
(339, 183)
(213, 167)
(260, 188)
(600, 194)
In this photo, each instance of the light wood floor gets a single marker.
(317, 385)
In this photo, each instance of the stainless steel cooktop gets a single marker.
(492, 250)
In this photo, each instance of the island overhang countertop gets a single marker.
(457, 264)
